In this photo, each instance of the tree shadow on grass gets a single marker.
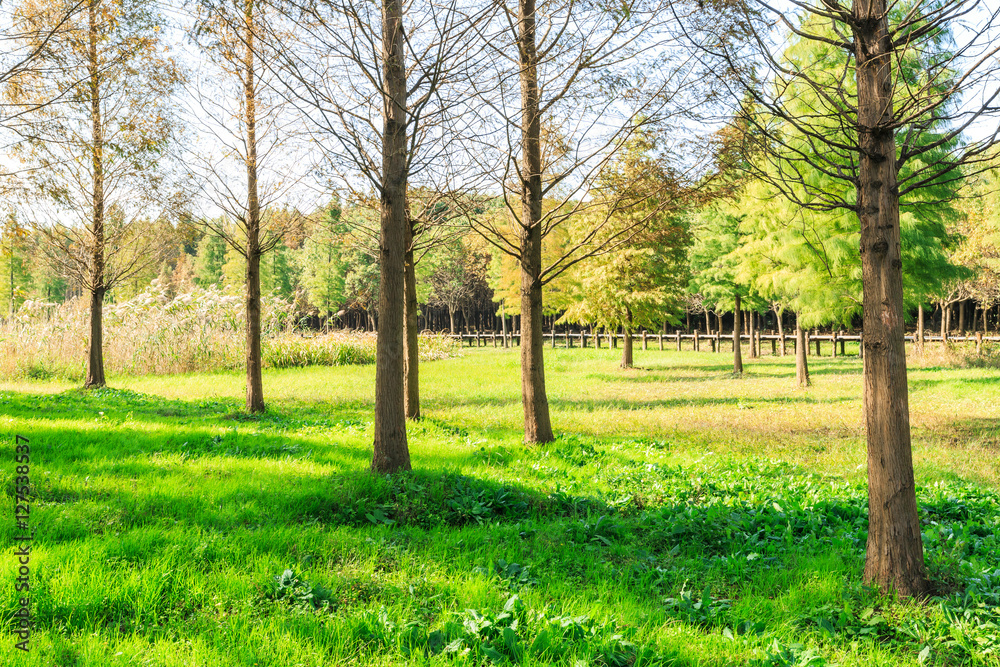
(266, 507)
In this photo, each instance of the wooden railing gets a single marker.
(700, 341)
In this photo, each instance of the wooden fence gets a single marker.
(702, 342)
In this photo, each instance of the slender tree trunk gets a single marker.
(451, 319)
(95, 343)
(961, 318)
(920, 329)
(801, 355)
(537, 427)
(752, 332)
(627, 338)
(737, 334)
(944, 324)
(391, 452)
(255, 383)
(503, 325)
(411, 352)
(781, 330)
(894, 558)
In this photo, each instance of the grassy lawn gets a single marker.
(683, 517)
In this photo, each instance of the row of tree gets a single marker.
(567, 135)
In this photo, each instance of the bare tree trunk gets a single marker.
(95, 343)
(781, 330)
(737, 334)
(920, 329)
(627, 344)
(961, 318)
(451, 319)
(752, 332)
(537, 427)
(255, 383)
(894, 558)
(944, 324)
(503, 325)
(411, 352)
(391, 452)
(801, 355)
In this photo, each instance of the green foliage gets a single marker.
(209, 260)
(715, 270)
(323, 269)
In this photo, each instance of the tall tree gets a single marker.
(381, 85)
(556, 142)
(96, 156)
(252, 131)
(887, 125)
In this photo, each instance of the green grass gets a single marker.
(682, 517)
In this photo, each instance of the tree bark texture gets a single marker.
(95, 343)
(801, 357)
(894, 558)
(627, 344)
(920, 329)
(391, 452)
(255, 382)
(752, 331)
(537, 427)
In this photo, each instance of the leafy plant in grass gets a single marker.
(513, 575)
(703, 611)
(299, 593)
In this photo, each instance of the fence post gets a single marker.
(818, 353)
(697, 344)
(834, 346)
(553, 338)
(774, 346)
(660, 336)
(979, 342)
(644, 339)
(678, 340)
